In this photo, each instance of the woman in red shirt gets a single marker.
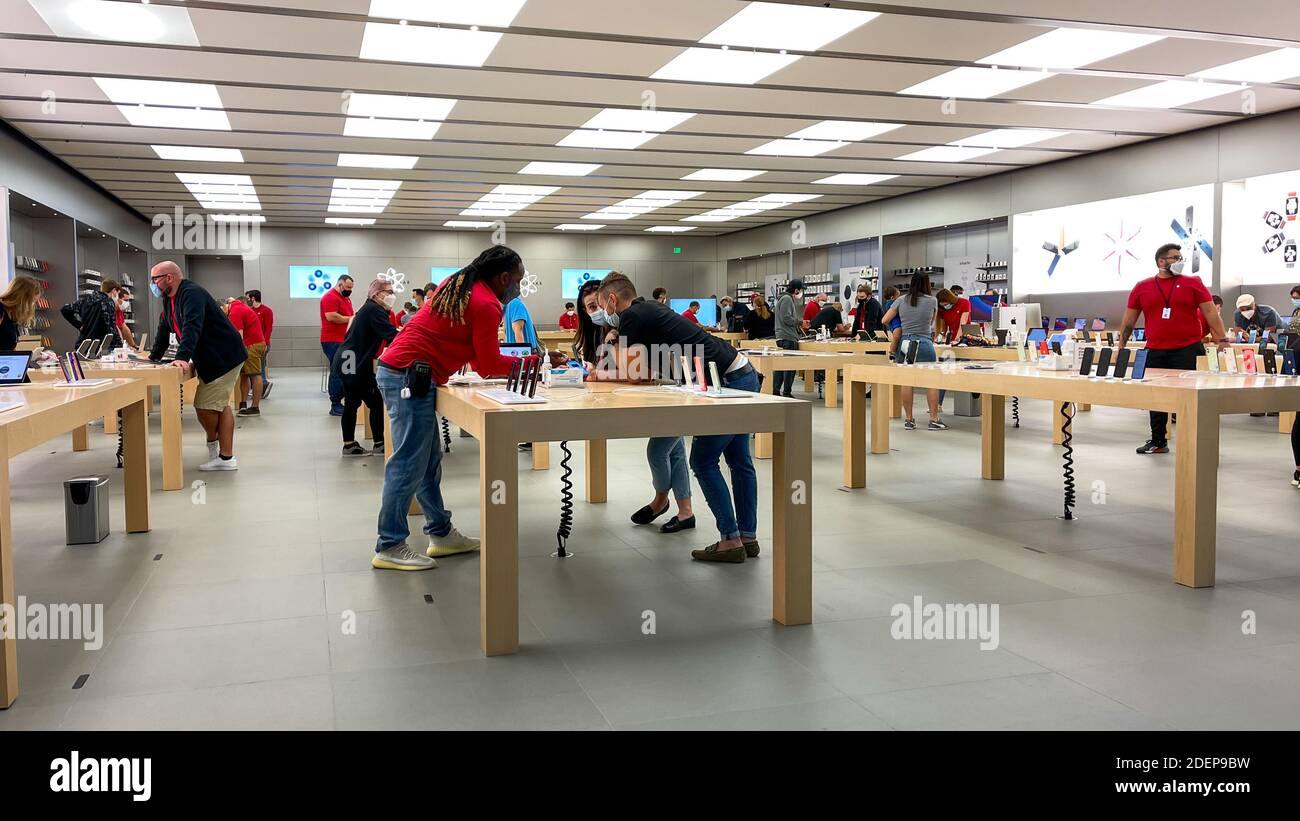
(457, 327)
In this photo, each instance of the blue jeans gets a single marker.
(740, 521)
(416, 464)
(927, 352)
(667, 458)
(336, 383)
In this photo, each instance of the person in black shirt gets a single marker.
(645, 326)
(831, 317)
(354, 365)
(867, 313)
(760, 322)
(94, 315)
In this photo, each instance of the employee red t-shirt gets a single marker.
(568, 321)
(811, 310)
(267, 316)
(121, 318)
(690, 315)
(333, 302)
(247, 322)
(952, 316)
(1184, 296)
(447, 346)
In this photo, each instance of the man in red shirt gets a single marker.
(335, 314)
(249, 326)
(813, 308)
(1173, 306)
(691, 314)
(954, 312)
(569, 319)
(267, 316)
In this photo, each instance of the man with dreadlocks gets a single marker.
(457, 325)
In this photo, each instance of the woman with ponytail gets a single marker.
(457, 326)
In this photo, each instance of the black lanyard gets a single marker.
(1167, 299)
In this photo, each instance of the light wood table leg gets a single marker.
(895, 402)
(855, 434)
(173, 461)
(190, 387)
(1196, 490)
(1083, 407)
(1284, 421)
(81, 439)
(880, 419)
(763, 441)
(148, 398)
(135, 466)
(832, 388)
(993, 436)
(110, 424)
(8, 644)
(792, 518)
(541, 455)
(597, 476)
(363, 416)
(499, 526)
(809, 380)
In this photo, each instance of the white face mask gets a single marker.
(1248, 314)
(1176, 268)
(389, 301)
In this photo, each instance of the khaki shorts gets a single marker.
(253, 364)
(215, 395)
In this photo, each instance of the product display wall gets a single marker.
(1261, 229)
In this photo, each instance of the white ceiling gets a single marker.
(284, 69)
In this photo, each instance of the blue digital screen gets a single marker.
(981, 308)
(438, 275)
(708, 315)
(572, 279)
(313, 281)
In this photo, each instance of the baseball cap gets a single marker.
(794, 285)
(1244, 300)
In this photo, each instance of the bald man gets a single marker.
(207, 346)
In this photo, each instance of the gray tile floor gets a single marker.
(241, 622)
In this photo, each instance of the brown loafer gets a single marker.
(751, 549)
(711, 553)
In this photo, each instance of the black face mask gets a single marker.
(345, 292)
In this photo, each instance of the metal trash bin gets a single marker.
(965, 404)
(85, 509)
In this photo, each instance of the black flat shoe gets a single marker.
(674, 525)
(647, 514)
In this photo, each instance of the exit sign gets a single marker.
(677, 250)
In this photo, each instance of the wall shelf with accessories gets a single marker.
(44, 250)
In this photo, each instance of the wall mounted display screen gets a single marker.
(1261, 229)
(708, 315)
(1110, 245)
(439, 274)
(572, 279)
(981, 308)
(312, 281)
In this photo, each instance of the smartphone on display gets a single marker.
(1121, 363)
(1231, 360)
(1212, 360)
(1103, 362)
(1056, 347)
(1288, 363)
(1080, 324)
(1270, 362)
(1110, 338)
(1085, 367)
(1248, 361)
(1140, 365)
(1254, 336)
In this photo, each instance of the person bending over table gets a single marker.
(457, 325)
(354, 365)
(917, 314)
(1171, 303)
(642, 324)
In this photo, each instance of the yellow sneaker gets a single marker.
(401, 558)
(452, 544)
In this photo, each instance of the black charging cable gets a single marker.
(120, 449)
(1015, 411)
(446, 435)
(1067, 442)
(566, 504)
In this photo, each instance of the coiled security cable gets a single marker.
(566, 504)
(446, 435)
(1067, 442)
(1015, 411)
(120, 449)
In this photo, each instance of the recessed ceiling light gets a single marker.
(194, 153)
(575, 226)
(427, 45)
(394, 116)
(794, 148)
(559, 169)
(467, 224)
(854, 179)
(1069, 48)
(777, 26)
(1169, 94)
(1269, 67)
(712, 65)
(222, 191)
(723, 174)
(376, 161)
(1009, 137)
(624, 128)
(948, 153)
(497, 13)
(349, 221)
(642, 203)
(506, 200)
(123, 22)
(362, 196)
(671, 229)
(758, 205)
(238, 218)
(975, 83)
(187, 105)
(843, 131)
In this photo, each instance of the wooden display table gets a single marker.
(1199, 399)
(611, 411)
(1285, 419)
(48, 412)
(170, 383)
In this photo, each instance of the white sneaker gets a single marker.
(451, 544)
(221, 464)
(401, 558)
(214, 450)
